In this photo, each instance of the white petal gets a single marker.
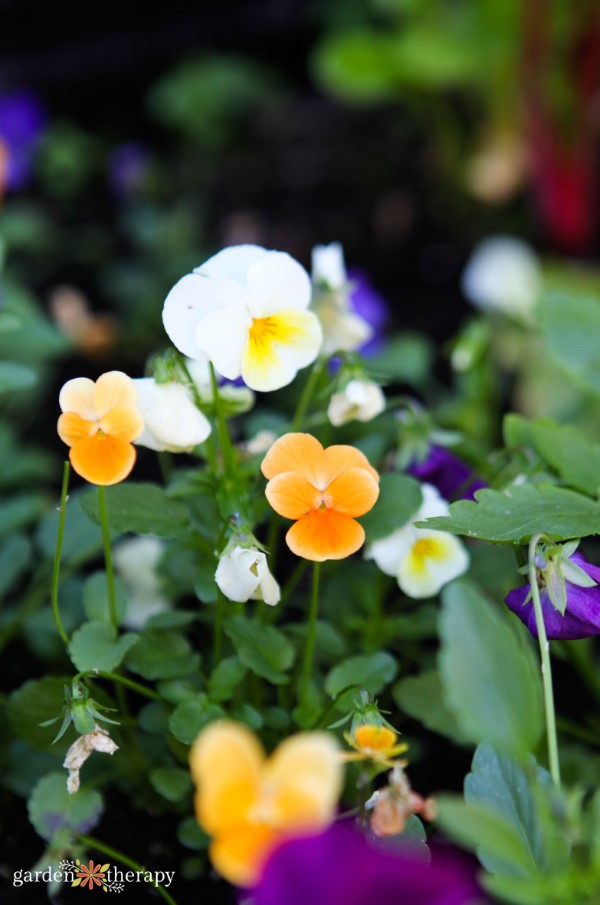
(136, 560)
(433, 504)
(77, 395)
(342, 329)
(421, 577)
(268, 589)
(275, 282)
(294, 344)
(222, 335)
(172, 421)
(504, 274)
(237, 575)
(360, 400)
(388, 551)
(189, 301)
(232, 263)
(328, 265)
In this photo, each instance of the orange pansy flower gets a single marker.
(100, 421)
(372, 741)
(323, 490)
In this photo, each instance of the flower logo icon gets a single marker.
(91, 875)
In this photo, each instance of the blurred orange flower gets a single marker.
(249, 803)
(100, 421)
(372, 741)
(323, 490)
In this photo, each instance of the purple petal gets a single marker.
(22, 122)
(452, 477)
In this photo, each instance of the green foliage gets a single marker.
(569, 324)
(372, 671)
(173, 783)
(36, 702)
(96, 645)
(191, 716)
(96, 598)
(162, 654)
(422, 698)
(51, 808)
(142, 508)
(399, 498)
(261, 648)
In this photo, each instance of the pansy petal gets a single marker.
(123, 421)
(353, 492)
(305, 776)
(240, 855)
(339, 458)
(102, 460)
(232, 262)
(222, 335)
(113, 389)
(297, 452)
(291, 495)
(389, 551)
(325, 534)
(188, 302)
(225, 762)
(275, 282)
(172, 421)
(77, 395)
(72, 428)
(278, 346)
(435, 559)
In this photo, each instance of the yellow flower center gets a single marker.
(264, 330)
(371, 738)
(423, 549)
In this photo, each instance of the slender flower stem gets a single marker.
(114, 677)
(546, 665)
(223, 433)
(110, 576)
(209, 443)
(59, 541)
(124, 859)
(307, 394)
(312, 629)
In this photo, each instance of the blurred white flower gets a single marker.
(503, 274)
(135, 561)
(360, 400)
(343, 329)
(260, 442)
(172, 420)
(243, 574)
(245, 310)
(421, 560)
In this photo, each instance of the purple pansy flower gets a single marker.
(341, 867)
(582, 614)
(22, 123)
(372, 307)
(452, 477)
(128, 169)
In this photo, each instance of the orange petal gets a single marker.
(124, 422)
(77, 395)
(72, 428)
(291, 495)
(325, 534)
(375, 738)
(301, 453)
(339, 458)
(102, 460)
(353, 492)
(112, 389)
(239, 856)
(225, 761)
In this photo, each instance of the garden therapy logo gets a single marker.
(92, 876)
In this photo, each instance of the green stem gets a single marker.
(57, 553)
(312, 629)
(114, 677)
(110, 576)
(546, 665)
(123, 859)
(222, 431)
(209, 443)
(307, 394)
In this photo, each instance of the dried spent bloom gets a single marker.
(172, 421)
(581, 617)
(360, 400)
(100, 421)
(373, 741)
(249, 803)
(81, 749)
(343, 328)
(245, 310)
(421, 560)
(324, 491)
(243, 574)
(395, 803)
(451, 476)
(342, 867)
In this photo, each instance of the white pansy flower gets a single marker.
(260, 443)
(172, 421)
(421, 560)
(343, 329)
(360, 400)
(503, 274)
(136, 561)
(243, 574)
(245, 311)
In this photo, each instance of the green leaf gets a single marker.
(225, 678)
(191, 716)
(173, 783)
(356, 66)
(95, 598)
(372, 671)
(162, 654)
(141, 508)
(489, 672)
(96, 645)
(567, 450)
(191, 836)
(570, 326)
(35, 702)
(514, 515)
(399, 499)
(82, 539)
(404, 359)
(51, 808)
(14, 377)
(15, 555)
(262, 648)
(422, 698)
(19, 511)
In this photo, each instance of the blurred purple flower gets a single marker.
(128, 168)
(341, 867)
(372, 307)
(22, 123)
(582, 615)
(452, 477)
